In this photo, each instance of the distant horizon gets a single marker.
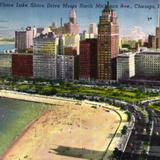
(133, 22)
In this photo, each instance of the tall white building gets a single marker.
(85, 35)
(47, 63)
(93, 29)
(45, 44)
(44, 66)
(45, 49)
(54, 67)
(65, 67)
(125, 66)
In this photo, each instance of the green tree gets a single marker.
(124, 130)
(48, 90)
(129, 115)
(117, 153)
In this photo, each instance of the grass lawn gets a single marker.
(15, 115)
(121, 94)
(155, 106)
(116, 93)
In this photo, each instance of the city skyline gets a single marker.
(132, 21)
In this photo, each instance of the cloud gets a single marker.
(135, 33)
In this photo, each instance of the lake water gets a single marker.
(14, 116)
(6, 47)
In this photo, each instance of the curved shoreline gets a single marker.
(36, 98)
(49, 100)
(22, 134)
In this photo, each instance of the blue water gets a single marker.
(6, 47)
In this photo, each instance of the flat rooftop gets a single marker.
(127, 54)
(149, 53)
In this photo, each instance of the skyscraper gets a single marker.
(45, 44)
(158, 12)
(72, 26)
(156, 39)
(72, 16)
(65, 67)
(24, 39)
(108, 44)
(20, 40)
(92, 28)
(45, 49)
(88, 59)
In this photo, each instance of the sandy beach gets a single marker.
(71, 130)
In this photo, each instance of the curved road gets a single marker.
(138, 139)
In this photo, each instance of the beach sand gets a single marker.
(66, 132)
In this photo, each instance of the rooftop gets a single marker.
(127, 54)
(49, 36)
(149, 53)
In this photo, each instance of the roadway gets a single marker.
(154, 152)
(134, 149)
(144, 132)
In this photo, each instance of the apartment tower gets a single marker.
(108, 44)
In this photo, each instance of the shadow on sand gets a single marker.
(78, 152)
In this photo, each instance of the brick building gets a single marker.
(22, 65)
(88, 59)
(70, 51)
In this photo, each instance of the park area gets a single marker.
(130, 94)
(68, 131)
